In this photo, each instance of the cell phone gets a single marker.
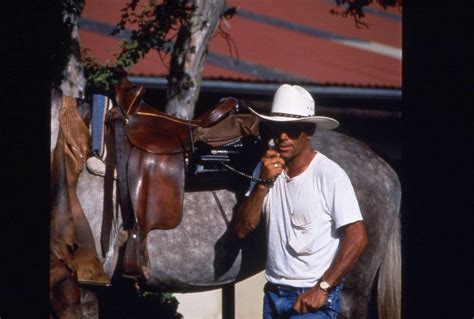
(271, 144)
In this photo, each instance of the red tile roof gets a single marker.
(277, 41)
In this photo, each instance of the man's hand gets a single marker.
(248, 214)
(310, 300)
(272, 164)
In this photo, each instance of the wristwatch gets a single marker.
(324, 285)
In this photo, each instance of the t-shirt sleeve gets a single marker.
(345, 207)
(256, 174)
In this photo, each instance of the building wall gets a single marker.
(208, 305)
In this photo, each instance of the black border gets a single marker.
(437, 161)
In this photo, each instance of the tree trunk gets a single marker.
(189, 56)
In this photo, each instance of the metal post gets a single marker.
(228, 301)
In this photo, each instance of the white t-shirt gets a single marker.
(302, 215)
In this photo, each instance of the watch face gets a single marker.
(324, 285)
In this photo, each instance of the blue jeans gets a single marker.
(278, 303)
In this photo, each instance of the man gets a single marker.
(315, 232)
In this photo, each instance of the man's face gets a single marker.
(290, 139)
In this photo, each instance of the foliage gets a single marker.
(124, 301)
(355, 8)
(162, 305)
(156, 27)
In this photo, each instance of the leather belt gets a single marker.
(276, 288)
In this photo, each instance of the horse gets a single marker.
(201, 253)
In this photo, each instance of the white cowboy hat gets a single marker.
(292, 103)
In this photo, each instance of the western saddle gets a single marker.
(152, 151)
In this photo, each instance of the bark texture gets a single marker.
(189, 56)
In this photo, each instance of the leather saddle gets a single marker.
(152, 153)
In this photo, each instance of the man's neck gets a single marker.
(299, 163)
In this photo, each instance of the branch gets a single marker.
(157, 25)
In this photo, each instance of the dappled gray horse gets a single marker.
(202, 254)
